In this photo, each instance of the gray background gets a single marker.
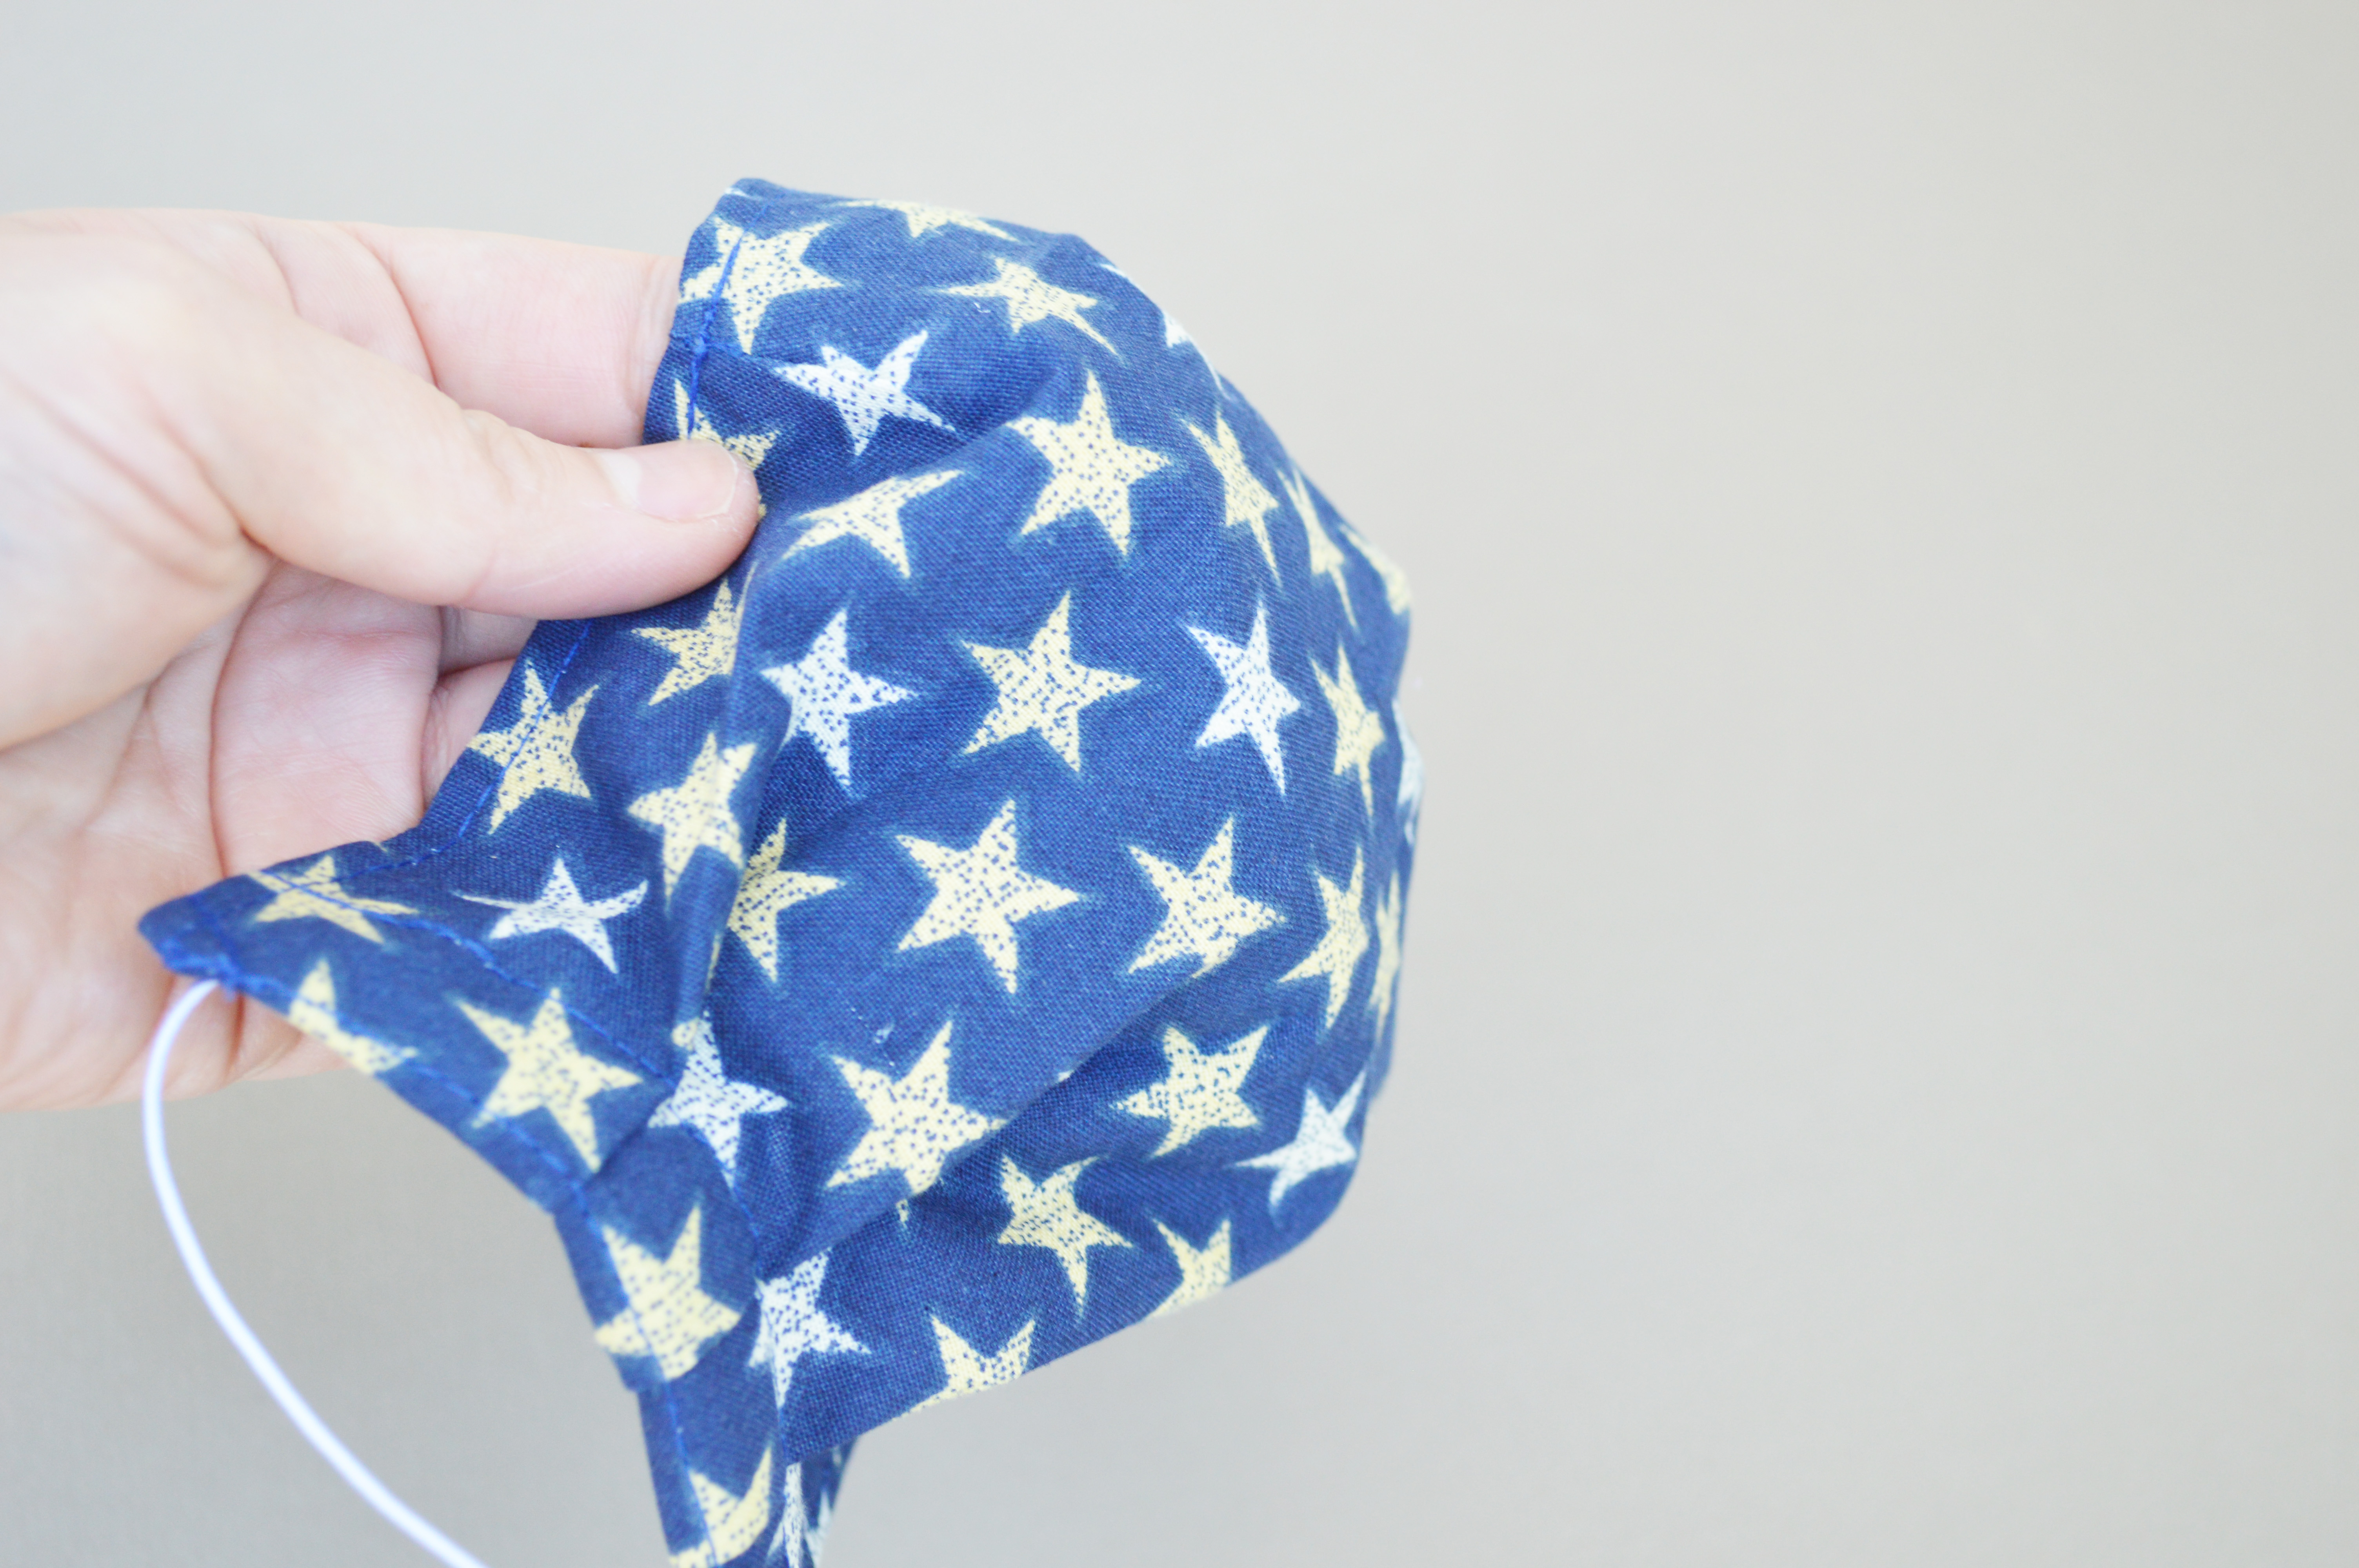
(1875, 1082)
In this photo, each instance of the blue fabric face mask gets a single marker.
(969, 927)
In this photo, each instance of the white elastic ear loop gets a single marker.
(184, 1235)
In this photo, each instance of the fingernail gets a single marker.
(684, 482)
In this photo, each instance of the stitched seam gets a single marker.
(701, 344)
(459, 830)
(490, 965)
(575, 1189)
(671, 1406)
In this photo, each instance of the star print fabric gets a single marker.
(969, 927)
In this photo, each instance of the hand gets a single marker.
(279, 503)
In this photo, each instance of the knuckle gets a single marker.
(104, 342)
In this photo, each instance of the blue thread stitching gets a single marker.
(237, 979)
(505, 1133)
(555, 682)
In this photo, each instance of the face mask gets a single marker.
(969, 927)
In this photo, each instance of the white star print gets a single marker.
(1395, 580)
(1243, 498)
(1319, 1143)
(1204, 918)
(793, 1327)
(1042, 689)
(793, 1533)
(980, 892)
(1388, 953)
(1202, 1272)
(826, 691)
(914, 1125)
(924, 220)
(872, 517)
(1326, 556)
(1359, 733)
(834, 992)
(1048, 1214)
(1199, 1089)
(765, 269)
(1032, 299)
(864, 398)
(801, 1539)
(1092, 468)
(1174, 334)
(1411, 796)
(1336, 958)
(816, 1533)
(561, 907)
(709, 1099)
(1252, 701)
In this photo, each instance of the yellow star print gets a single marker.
(924, 220)
(546, 1071)
(763, 270)
(1205, 918)
(872, 517)
(1090, 468)
(967, 1371)
(535, 753)
(1326, 556)
(914, 1126)
(1048, 1214)
(1336, 959)
(1199, 1091)
(733, 1523)
(980, 892)
(314, 1011)
(669, 1319)
(1359, 733)
(751, 448)
(768, 890)
(314, 894)
(1242, 497)
(1041, 688)
(1201, 1273)
(1388, 953)
(1032, 299)
(694, 814)
(701, 653)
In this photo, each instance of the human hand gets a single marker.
(279, 503)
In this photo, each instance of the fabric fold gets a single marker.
(968, 928)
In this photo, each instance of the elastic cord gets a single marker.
(184, 1236)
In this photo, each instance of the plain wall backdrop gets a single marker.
(1876, 1079)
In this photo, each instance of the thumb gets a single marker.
(342, 462)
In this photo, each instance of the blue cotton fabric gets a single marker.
(968, 928)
